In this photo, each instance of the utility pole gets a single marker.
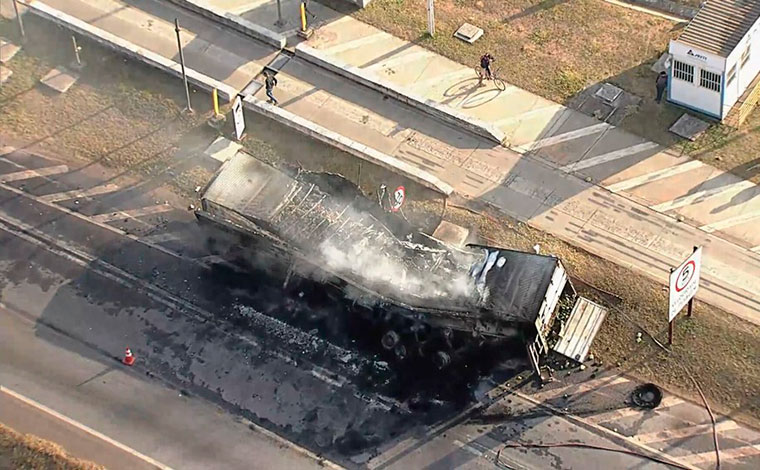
(431, 17)
(20, 23)
(279, 23)
(182, 64)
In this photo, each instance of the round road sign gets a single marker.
(685, 275)
(399, 195)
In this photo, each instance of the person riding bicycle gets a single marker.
(485, 63)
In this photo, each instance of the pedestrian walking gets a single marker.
(661, 84)
(270, 83)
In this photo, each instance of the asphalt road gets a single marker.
(82, 277)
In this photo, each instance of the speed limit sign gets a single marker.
(684, 282)
(397, 198)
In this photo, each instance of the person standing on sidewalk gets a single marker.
(661, 84)
(270, 83)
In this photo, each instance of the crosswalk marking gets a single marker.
(559, 138)
(28, 174)
(689, 431)
(667, 402)
(725, 454)
(78, 193)
(654, 176)
(359, 42)
(731, 221)
(161, 238)
(700, 195)
(132, 213)
(576, 389)
(609, 157)
(551, 109)
(400, 60)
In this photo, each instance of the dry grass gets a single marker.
(25, 451)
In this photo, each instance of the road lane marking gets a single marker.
(689, 431)
(755, 249)
(553, 109)
(559, 138)
(82, 427)
(621, 413)
(28, 174)
(699, 196)
(132, 213)
(654, 176)
(725, 454)
(577, 389)
(80, 193)
(609, 157)
(731, 221)
(353, 44)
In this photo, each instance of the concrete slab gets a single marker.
(689, 127)
(222, 149)
(7, 51)
(453, 234)
(60, 79)
(5, 74)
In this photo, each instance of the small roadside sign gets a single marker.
(237, 117)
(398, 198)
(684, 283)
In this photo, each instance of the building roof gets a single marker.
(720, 25)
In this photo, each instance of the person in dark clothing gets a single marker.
(661, 84)
(270, 83)
(485, 63)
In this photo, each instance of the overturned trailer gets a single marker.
(430, 298)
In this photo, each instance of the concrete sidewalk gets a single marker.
(529, 188)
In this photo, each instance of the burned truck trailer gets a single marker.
(428, 295)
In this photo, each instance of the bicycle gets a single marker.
(498, 82)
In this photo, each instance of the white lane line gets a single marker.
(400, 60)
(731, 221)
(133, 213)
(576, 389)
(655, 175)
(690, 431)
(84, 428)
(755, 249)
(161, 238)
(359, 42)
(80, 193)
(28, 174)
(701, 195)
(551, 109)
(609, 157)
(559, 138)
(667, 402)
(725, 454)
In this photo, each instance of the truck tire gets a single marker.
(390, 339)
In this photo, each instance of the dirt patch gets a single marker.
(30, 452)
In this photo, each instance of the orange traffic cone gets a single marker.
(129, 359)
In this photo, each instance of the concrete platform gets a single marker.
(222, 149)
(7, 51)
(60, 79)
(5, 74)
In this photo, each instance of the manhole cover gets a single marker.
(608, 92)
(689, 127)
(468, 33)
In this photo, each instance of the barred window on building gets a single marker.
(709, 80)
(683, 71)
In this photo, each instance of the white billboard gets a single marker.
(684, 282)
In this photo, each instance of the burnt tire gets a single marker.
(390, 339)
(441, 359)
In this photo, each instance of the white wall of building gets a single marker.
(745, 72)
(691, 94)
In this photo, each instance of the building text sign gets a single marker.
(684, 282)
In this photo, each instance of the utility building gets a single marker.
(716, 60)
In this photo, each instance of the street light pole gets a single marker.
(431, 17)
(182, 64)
(20, 23)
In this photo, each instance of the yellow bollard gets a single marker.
(215, 97)
(303, 17)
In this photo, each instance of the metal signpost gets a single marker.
(182, 64)
(237, 117)
(684, 283)
(20, 22)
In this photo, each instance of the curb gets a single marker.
(370, 80)
(235, 22)
(127, 48)
(347, 145)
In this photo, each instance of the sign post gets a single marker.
(431, 17)
(684, 283)
(237, 117)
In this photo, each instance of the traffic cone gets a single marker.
(129, 359)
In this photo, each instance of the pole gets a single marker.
(279, 23)
(215, 97)
(76, 51)
(431, 17)
(670, 332)
(690, 308)
(303, 17)
(20, 22)
(182, 64)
